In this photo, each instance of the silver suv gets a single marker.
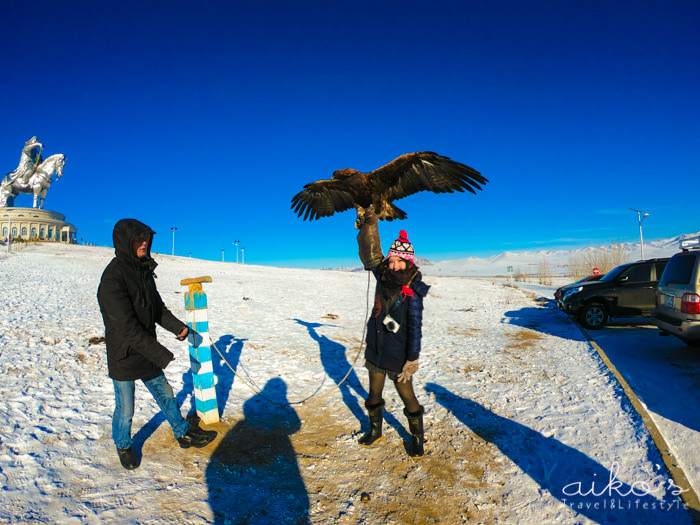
(677, 309)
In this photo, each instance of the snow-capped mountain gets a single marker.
(556, 260)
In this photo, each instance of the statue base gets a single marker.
(34, 224)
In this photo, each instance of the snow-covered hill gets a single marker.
(520, 411)
(557, 260)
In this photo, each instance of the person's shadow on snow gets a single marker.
(336, 365)
(253, 476)
(565, 472)
(547, 319)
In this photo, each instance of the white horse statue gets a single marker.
(38, 183)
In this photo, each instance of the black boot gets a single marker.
(196, 437)
(415, 426)
(376, 418)
(128, 458)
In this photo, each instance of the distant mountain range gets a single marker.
(527, 262)
(557, 260)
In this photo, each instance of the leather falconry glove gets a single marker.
(409, 368)
(368, 239)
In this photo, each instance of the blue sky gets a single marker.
(209, 116)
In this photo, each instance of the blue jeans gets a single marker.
(124, 408)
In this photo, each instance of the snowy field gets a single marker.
(524, 424)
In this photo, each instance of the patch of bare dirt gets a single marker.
(448, 485)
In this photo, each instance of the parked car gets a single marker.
(626, 291)
(559, 292)
(677, 309)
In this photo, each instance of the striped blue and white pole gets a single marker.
(200, 350)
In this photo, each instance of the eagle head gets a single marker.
(344, 173)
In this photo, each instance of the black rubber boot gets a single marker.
(196, 437)
(376, 418)
(128, 458)
(415, 426)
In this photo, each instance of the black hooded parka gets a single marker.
(131, 306)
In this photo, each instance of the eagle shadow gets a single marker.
(253, 475)
(565, 472)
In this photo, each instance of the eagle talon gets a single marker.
(360, 217)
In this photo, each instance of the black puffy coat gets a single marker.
(390, 350)
(131, 306)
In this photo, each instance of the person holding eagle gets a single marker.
(394, 329)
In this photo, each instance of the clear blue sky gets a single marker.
(209, 116)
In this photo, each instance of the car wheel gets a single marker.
(593, 316)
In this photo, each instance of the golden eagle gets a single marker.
(403, 176)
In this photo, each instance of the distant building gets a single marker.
(36, 224)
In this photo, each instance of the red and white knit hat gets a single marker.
(402, 247)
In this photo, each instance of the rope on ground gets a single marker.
(258, 390)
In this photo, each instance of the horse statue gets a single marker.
(37, 183)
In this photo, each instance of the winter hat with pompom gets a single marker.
(402, 247)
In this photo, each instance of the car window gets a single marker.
(679, 269)
(660, 269)
(612, 274)
(638, 274)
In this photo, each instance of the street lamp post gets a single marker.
(222, 256)
(242, 255)
(641, 216)
(173, 229)
(236, 243)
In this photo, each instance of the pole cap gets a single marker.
(195, 280)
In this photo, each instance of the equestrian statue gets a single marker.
(33, 175)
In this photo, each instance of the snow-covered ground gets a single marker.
(524, 423)
(665, 375)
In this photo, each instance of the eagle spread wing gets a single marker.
(322, 199)
(404, 176)
(425, 170)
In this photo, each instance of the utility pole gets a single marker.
(641, 216)
(173, 229)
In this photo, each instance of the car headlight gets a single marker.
(572, 291)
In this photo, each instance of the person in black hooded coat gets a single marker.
(394, 330)
(131, 306)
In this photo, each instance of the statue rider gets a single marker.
(30, 159)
